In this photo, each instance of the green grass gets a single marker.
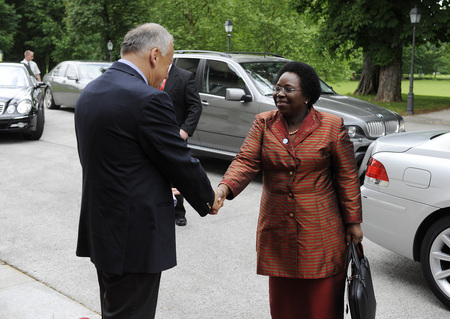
(429, 95)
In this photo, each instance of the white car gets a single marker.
(406, 201)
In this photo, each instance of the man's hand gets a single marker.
(218, 203)
(184, 135)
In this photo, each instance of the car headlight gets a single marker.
(401, 126)
(351, 130)
(11, 109)
(24, 106)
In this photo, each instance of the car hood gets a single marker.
(6, 94)
(352, 108)
(404, 141)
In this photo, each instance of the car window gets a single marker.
(188, 64)
(71, 71)
(13, 76)
(61, 70)
(263, 74)
(92, 71)
(220, 76)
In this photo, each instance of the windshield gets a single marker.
(92, 71)
(326, 89)
(263, 74)
(13, 76)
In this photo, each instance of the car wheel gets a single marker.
(49, 102)
(435, 259)
(36, 134)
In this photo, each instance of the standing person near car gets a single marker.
(131, 153)
(180, 85)
(310, 206)
(29, 56)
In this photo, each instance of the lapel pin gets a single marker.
(285, 141)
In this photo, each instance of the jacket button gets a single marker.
(291, 215)
(291, 195)
(291, 173)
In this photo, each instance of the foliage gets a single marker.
(428, 59)
(8, 26)
(258, 26)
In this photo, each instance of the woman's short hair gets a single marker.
(309, 80)
(145, 37)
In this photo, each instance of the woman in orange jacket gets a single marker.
(310, 206)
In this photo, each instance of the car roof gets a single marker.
(236, 56)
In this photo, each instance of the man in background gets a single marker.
(29, 56)
(180, 85)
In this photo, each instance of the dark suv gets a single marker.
(234, 87)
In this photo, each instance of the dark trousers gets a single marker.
(180, 211)
(129, 295)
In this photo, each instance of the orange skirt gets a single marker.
(294, 298)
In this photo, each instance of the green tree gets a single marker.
(258, 26)
(9, 26)
(381, 28)
(90, 24)
(429, 58)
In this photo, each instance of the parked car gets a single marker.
(234, 87)
(21, 101)
(67, 80)
(406, 201)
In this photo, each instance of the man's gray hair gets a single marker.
(146, 37)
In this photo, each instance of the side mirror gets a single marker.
(237, 95)
(72, 77)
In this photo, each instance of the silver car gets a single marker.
(66, 81)
(234, 87)
(406, 201)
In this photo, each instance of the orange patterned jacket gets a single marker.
(310, 191)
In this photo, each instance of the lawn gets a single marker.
(429, 95)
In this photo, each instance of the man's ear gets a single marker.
(154, 56)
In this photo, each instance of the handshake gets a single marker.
(221, 192)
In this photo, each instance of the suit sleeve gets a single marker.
(193, 106)
(160, 138)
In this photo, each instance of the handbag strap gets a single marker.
(353, 255)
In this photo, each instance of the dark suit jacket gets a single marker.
(180, 86)
(131, 152)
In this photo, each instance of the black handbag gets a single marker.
(360, 293)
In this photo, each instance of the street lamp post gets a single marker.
(228, 29)
(110, 47)
(415, 19)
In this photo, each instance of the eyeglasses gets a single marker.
(278, 89)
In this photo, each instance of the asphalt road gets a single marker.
(216, 273)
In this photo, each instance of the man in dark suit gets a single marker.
(131, 153)
(180, 85)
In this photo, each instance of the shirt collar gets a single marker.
(134, 67)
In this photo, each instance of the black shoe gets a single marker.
(180, 221)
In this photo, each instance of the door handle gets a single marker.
(205, 103)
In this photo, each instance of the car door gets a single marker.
(71, 86)
(224, 124)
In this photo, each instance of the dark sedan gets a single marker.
(21, 101)
(67, 80)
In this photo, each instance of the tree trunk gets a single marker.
(369, 78)
(390, 88)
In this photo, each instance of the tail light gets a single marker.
(376, 173)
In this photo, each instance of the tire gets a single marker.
(36, 134)
(49, 101)
(435, 259)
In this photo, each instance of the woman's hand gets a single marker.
(354, 232)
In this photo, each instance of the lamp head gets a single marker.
(228, 26)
